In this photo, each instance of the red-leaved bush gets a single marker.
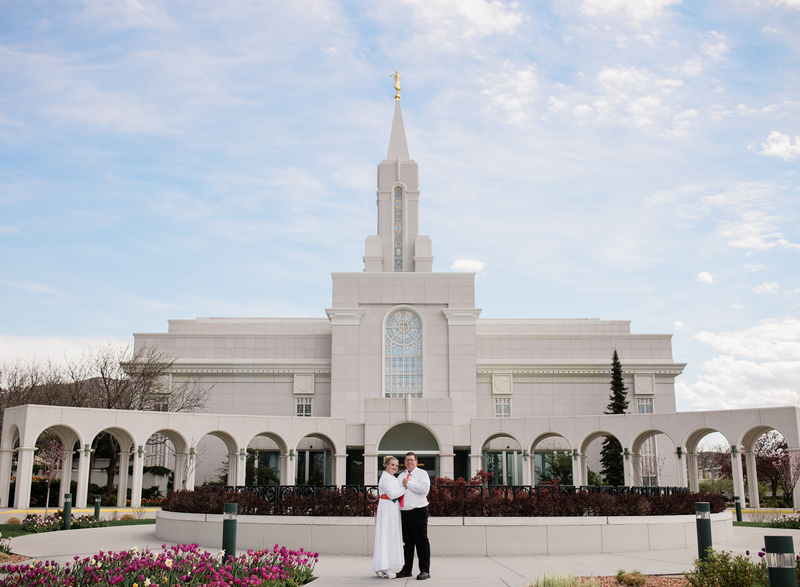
(448, 498)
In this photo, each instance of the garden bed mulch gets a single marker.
(10, 559)
(652, 581)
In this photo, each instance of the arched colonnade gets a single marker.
(79, 426)
(23, 425)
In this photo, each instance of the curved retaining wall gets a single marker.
(452, 536)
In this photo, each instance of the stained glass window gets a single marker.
(403, 354)
(398, 229)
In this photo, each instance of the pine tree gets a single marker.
(613, 470)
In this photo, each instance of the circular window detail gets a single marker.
(404, 327)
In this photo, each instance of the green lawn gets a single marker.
(12, 530)
(752, 524)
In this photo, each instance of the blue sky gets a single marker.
(618, 159)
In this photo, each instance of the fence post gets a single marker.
(67, 511)
(702, 510)
(780, 561)
(229, 529)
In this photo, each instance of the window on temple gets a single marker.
(403, 354)
(398, 229)
(644, 405)
(303, 407)
(502, 407)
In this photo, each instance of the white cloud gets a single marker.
(470, 265)
(678, 325)
(52, 348)
(466, 19)
(637, 10)
(582, 111)
(780, 145)
(737, 306)
(510, 91)
(31, 286)
(705, 277)
(766, 288)
(727, 383)
(555, 104)
(792, 3)
(769, 340)
(765, 374)
(754, 267)
(717, 48)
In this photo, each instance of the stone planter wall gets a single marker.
(452, 536)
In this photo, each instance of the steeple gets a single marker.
(398, 148)
(398, 247)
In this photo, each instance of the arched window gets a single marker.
(398, 229)
(403, 354)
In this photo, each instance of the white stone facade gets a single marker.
(403, 361)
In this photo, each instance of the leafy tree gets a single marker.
(556, 466)
(51, 454)
(613, 470)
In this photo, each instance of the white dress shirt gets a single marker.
(419, 483)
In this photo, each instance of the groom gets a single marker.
(414, 515)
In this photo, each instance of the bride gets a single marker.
(388, 530)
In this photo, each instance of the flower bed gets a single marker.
(37, 524)
(445, 501)
(179, 565)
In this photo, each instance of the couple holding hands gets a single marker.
(401, 525)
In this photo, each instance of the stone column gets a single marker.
(122, 481)
(138, 474)
(527, 472)
(284, 458)
(627, 467)
(475, 463)
(83, 477)
(179, 475)
(191, 468)
(233, 470)
(681, 481)
(578, 469)
(22, 497)
(6, 457)
(241, 468)
(794, 452)
(447, 465)
(370, 469)
(340, 476)
(738, 474)
(65, 479)
(691, 465)
(752, 479)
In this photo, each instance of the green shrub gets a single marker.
(722, 569)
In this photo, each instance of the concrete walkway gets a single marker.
(341, 571)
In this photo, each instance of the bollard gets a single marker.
(738, 508)
(67, 511)
(780, 561)
(229, 529)
(97, 501)
(702, 512)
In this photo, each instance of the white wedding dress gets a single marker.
(388, 528)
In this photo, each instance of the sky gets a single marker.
(616, 159)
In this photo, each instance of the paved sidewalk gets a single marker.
(341, 571)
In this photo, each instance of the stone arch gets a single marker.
(127, 446)
(538, 459)
(402, 437)
(580, 469)
(747, 442)
(691, 442)
(68, 435)
(161, 447)
(228, 457)
(647, 464)
(506, 460)
(316, 464)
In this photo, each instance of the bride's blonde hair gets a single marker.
(388, 459)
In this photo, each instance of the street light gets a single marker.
(229, 529)
(780, 561)
(702, 512)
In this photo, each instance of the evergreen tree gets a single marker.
(613, 470)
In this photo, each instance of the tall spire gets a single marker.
(398, 148)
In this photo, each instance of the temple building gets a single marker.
(400, 361)
(405, 359)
